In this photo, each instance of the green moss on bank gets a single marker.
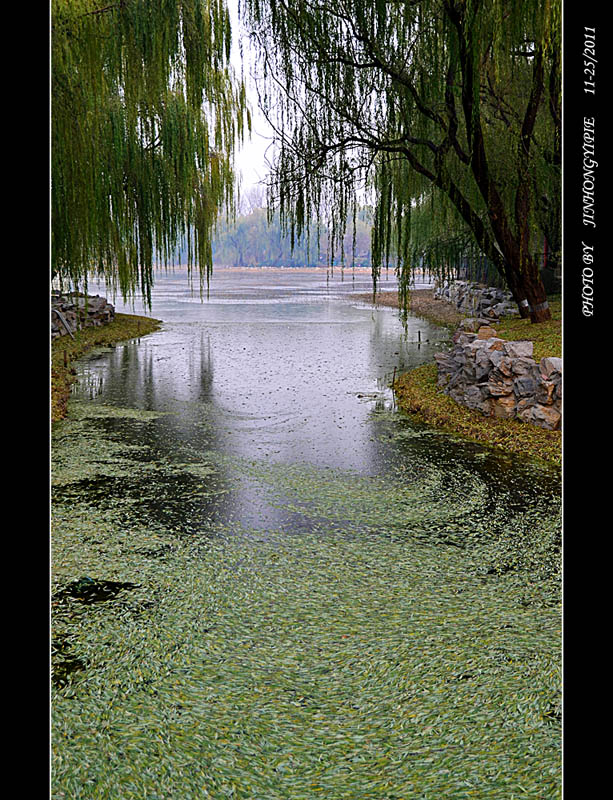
(65, 350)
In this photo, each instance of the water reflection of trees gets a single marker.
(158, 374)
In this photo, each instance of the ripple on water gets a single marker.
(247, 623)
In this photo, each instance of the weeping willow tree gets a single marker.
(144, 120)
(444, 113)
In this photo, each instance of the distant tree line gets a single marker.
(255, 240)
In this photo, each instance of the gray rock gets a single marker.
(524, 386)
(551, 366)
(495, 356)
(523, 405)
(545, 392)
(469, 325)
(504, 367)
(504, 309)
(524, 366)
(464, 338)
(483, 364)
(521, 349)
(474, 398)
(542, 416)
(468, 373)
(496, 377)
(89, 311)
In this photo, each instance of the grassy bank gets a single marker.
(418, 394)
(65, 350)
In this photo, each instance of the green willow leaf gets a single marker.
(146, 114)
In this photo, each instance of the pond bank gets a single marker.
(417, 392)
(65, 350)
(423, 304)
(267, 583)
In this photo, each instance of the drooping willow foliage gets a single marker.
(145, 117)
(445, 114)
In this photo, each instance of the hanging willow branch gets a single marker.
(439, 112)
(145, 117)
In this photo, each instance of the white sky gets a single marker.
(250, 159)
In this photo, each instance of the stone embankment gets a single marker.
(476, 299)
(74, 311)
(500, 378)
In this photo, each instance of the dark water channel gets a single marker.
(269, 583)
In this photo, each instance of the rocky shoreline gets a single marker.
(500, 378)
(419, 393)
(71, 312)
(476, 300)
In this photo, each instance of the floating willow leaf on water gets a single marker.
(81, 410)
(341, 661)
(376, 687)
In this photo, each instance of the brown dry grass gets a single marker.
(422, 304)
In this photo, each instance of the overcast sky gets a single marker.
(250, 159)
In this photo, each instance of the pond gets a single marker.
(267, 582)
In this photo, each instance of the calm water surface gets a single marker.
(269, 583)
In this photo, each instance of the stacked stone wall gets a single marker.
(78, 311)
(477, 300)
(501, 378)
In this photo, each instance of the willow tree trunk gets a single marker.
(524, 281)
(517, 292)
(534, 291)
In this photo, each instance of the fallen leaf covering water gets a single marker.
(404, 643)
